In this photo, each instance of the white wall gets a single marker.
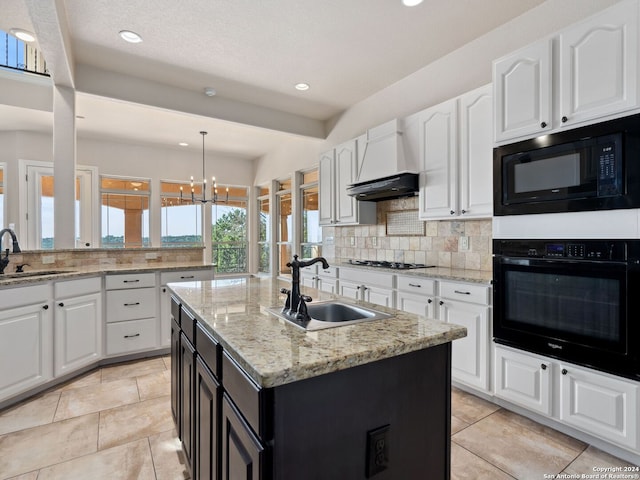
(467, 68)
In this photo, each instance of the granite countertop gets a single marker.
(69, 273)
(440, 273)
(274, 352)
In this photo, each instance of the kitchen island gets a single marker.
(257, 397)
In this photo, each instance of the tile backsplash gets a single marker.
(53, 259)
(441, 244)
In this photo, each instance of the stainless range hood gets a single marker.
(402, 185)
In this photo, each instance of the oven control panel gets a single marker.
(598, 250)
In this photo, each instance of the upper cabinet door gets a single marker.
(346, 164)
(522, 91)
(599, 62)
(438, 153)
(326, 187)
(476, 153)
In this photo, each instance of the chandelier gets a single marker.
(204, 199)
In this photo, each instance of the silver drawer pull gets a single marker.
(186, 277)
(131, 281)
(462, 293)
(415, 285)
(131, 304)
(132, 336)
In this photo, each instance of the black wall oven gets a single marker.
(575, 300)
(596, 167)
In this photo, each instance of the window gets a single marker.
(125, 212)
(264, 231)
(181, 224)
(229, 230)
(285, 225)
(311, 240)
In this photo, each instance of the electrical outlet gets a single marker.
(377, 450)
(464, 243)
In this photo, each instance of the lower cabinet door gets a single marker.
(523, 379)
(207, 443)
(26, 348)
(187, 397)
(78, 332)
(175, 374)
(600, 404)
(242, 453)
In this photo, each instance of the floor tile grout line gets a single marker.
(484, 459)
(153, 461)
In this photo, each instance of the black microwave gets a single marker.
(596, 167)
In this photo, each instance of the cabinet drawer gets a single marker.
(186, 276)
(208, 349)
(465, 292)
(131, 336)
(74, 288)
(139, 280)
(17, 297)
(367, 277)
(245, 393)
(418, 285)
(188, 325)
(131, 304)
(331, 272)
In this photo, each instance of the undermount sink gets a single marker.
(37, 273)
(332, 314)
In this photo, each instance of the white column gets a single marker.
(64, 166)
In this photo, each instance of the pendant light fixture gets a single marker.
(204, 199)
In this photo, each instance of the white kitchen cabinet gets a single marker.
(599, 65)
(600, 404)
(309, 276)
(475, 182)
(78, 324)
(363, 284)
(337, 170)
(523, 379)
(592, 76)
(439, 156)
(468, 305)
(456, 149)
(327, 279)
(26, 339)
(165, 297)
(416, 295)
(132, 323)
(522, 92)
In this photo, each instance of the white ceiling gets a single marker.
(250, 51)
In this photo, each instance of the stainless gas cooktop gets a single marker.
(394, 265)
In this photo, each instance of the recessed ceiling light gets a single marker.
(302, 86)
(23, 35)
(411, 3)
(129, 36)
(183, 144)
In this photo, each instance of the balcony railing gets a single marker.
(18, 55)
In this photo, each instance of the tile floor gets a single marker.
(115, 423)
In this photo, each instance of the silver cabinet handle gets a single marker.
(461, 292)
(131, 304)
(132, 336)
(415, 285)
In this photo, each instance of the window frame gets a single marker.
(144, 193)
(222, 201)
